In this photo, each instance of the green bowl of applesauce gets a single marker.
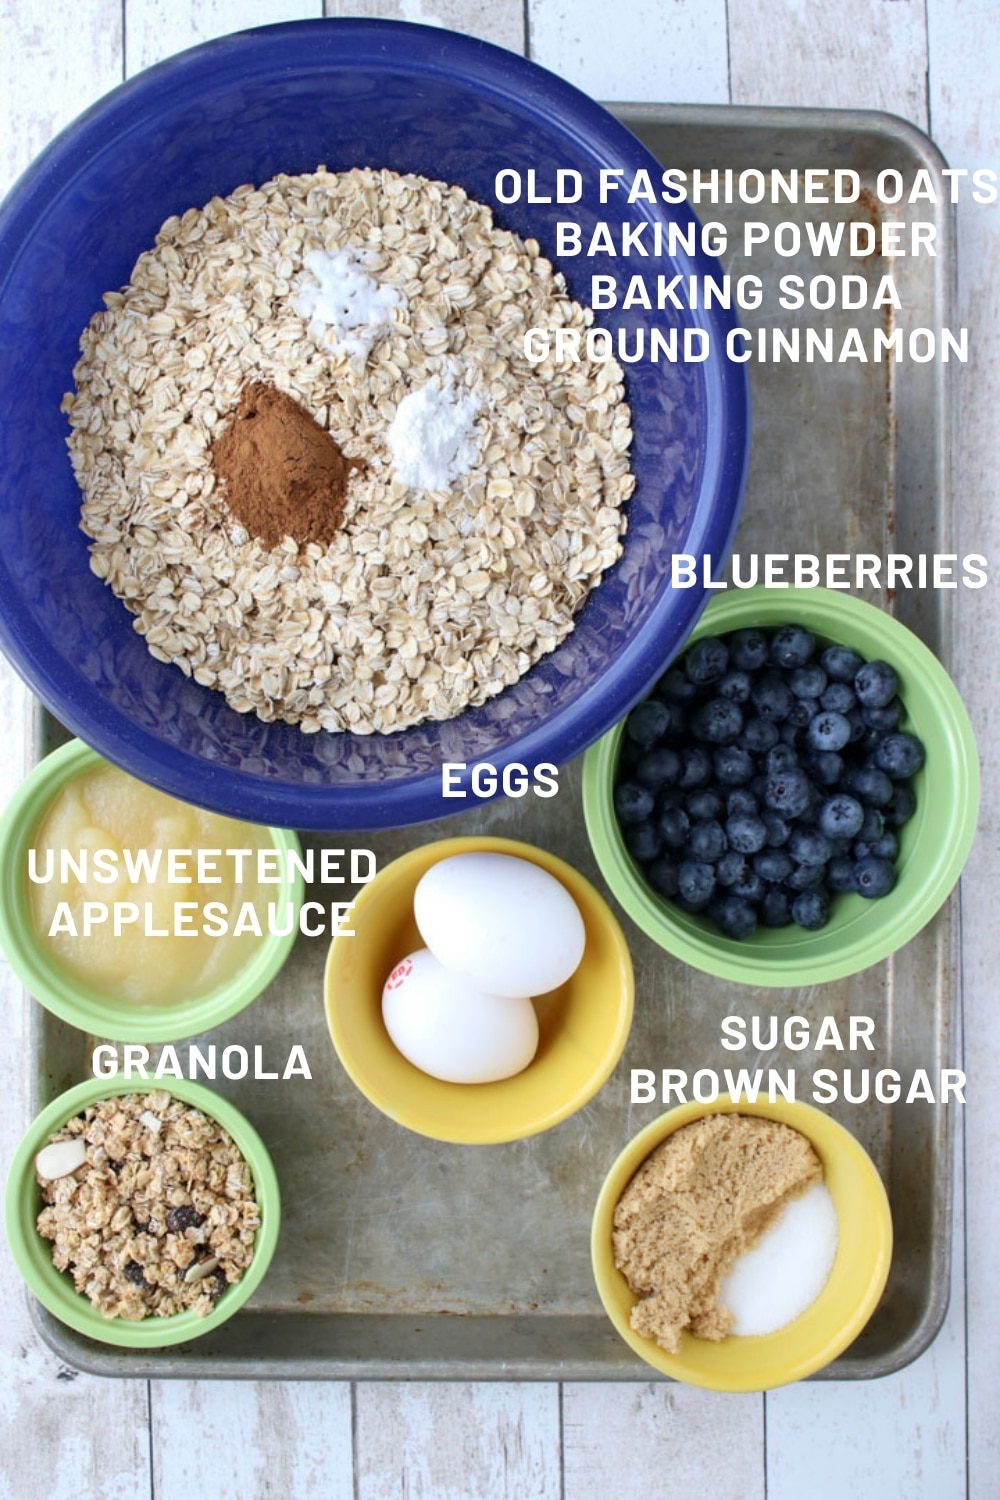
(142, 981)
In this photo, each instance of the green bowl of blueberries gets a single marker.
(795, 797)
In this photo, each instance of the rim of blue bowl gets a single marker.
(313, 46)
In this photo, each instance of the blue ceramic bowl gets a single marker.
(284, 98)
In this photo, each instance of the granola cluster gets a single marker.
(159, 1217)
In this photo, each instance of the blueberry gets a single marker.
(706, 660)
(883, 720)
(808, 846)
(781, 758)
(810, 910)
(695, 883)
(771, 697)
(675, 687)
(871, 786)
(718, 721)
(679, 715)
(828, 731)
(734, 916)
(902, 807)
(839, 698)
(133, 1272)
(735, 686)
(873, 826)
(841, 816)
(732, 868)
(874, 877)
(703, 804)
(662, 876)
(746, 833)
(750, 886)
(841, 664)
(670, 796)
(802, 712)
(742, 802)
(859, 729)
(696, 767)
(733, 765)
(758, 736)
(899, 755)
(778, 830)
(825, 767)
(707, 841)
(748, 649)
(886, 846)
(792, 646)
(773, 865)
(643, 841)
(788, 792)
(647, 722)
(775, 908)
(808, 681)
(633, 803)
(674, 826)
(840, 874)
(658, 768)
(806, 878)
(875, 684)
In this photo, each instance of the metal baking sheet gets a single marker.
(401, 1257)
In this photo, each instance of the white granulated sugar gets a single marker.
(432, 437)
(788, 1267)
(344, 305)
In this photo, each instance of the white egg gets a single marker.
(451, 1030)
(503, 923)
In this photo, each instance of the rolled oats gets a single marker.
(212, 307)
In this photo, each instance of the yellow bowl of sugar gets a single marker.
(840, 1310)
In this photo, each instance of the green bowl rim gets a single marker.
(72, 1000)
(689, 938)
(54, 1289)
(798, 1115)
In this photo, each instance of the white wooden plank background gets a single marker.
(929, 1433)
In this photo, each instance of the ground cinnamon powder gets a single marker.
(280, 473)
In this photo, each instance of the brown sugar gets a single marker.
(281, 473)
(700, 1200)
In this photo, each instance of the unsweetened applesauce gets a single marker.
(110, 843)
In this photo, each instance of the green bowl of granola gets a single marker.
(179, 1191)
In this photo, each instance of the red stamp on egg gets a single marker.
(400, 974)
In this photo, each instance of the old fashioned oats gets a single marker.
(425, 602)
(160, 1215)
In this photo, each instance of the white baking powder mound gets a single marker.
(788, 1267)
(432, 437)
(344, 305)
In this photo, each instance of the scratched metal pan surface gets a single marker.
(402, 1258)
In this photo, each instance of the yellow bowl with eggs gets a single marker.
(583, 1025)
(840, 1311)
(108, 989)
